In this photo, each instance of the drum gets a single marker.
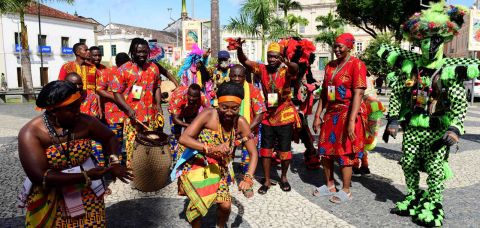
(151, 161)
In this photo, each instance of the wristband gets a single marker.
(44, 178)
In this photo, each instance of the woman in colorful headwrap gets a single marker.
(63, 188)
(205, 167)
(342, 134)
(428, 96)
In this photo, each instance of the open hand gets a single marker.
(351, 130)
(121, 172)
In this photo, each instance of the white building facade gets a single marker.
(60, 31)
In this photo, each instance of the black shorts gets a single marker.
(279, 137)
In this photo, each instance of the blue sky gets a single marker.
(145, 13)
(153, 13)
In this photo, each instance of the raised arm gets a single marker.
(242, 58)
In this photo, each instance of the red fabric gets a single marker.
(266, 153)
(113, 114)
(291, 45)
(285, 155)
(148, 78)
(285, 113)
(346, 39)
(333, 138)
(179, 100)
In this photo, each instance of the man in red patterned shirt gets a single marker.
(137, 92)
(281, 116)
(114, 117)
(184, 106)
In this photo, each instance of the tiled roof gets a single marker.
(161, 36)
(47, 11)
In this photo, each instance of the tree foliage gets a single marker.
(287, 5)
(329, 27)
(379, 16)
(375, 65)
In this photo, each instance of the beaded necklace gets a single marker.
(54, 135)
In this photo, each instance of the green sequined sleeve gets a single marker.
(458, 105)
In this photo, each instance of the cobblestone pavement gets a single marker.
(372, 197)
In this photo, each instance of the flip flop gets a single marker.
(263, 190)
(285, 186)
(341, 197)
(324, 191)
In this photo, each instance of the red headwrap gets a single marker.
(346, 39)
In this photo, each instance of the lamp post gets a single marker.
(176, 26)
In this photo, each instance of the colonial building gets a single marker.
(116, 38)
(60, 31)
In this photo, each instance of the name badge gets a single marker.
(422, 98)
(331, 93)
(272, 100)
(137, 91)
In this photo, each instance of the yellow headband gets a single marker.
(274, 46)
(229, 98)
(74, 97)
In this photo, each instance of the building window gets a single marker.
(42, 40)
(43, 75)
(114, 50)
(17, 38)
(359, 47)
(101, 49)
(301, 29)
(83, 41)
(19, 77)
(64, 41)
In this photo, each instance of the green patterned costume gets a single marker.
(429, 98)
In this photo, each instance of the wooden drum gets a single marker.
(151, 161)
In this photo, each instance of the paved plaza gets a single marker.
(372, 197)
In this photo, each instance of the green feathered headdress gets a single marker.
(439, 19)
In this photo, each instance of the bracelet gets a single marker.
(88, 181)
(44, 178)
(113, 158)
(205, 148)
(248, 178)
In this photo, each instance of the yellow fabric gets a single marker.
(246, 103)
(274, 46)
(199, 79)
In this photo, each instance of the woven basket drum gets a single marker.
(151, 161)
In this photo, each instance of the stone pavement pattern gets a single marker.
(372, 197)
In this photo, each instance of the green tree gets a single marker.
(18, 7)
(329, 27)
(375, 65)
(282, 29)
(379, 16)
(256, 19)
(287, 5)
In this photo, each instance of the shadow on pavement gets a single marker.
(382, 187)
(471, 137)
(388, 153)
(164, 212)
(13, 222)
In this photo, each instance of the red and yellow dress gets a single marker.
(88, 72)
(46, 207)
(146, 77)
(334, 141)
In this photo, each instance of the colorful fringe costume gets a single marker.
(46, 207)
(429, 97)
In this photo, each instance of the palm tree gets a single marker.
(287, 5)
(18, 7)
(256, 19)
(330, 27)
(215, 27)
(288, 29)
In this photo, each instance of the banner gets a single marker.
(474, 31)
(191, 34)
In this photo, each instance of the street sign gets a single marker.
(45, 49)
(67, 50)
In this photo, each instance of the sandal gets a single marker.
(341, 197)
(285, 186)
(263, 189)
(324, 191)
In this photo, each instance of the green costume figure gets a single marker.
(429, 100)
